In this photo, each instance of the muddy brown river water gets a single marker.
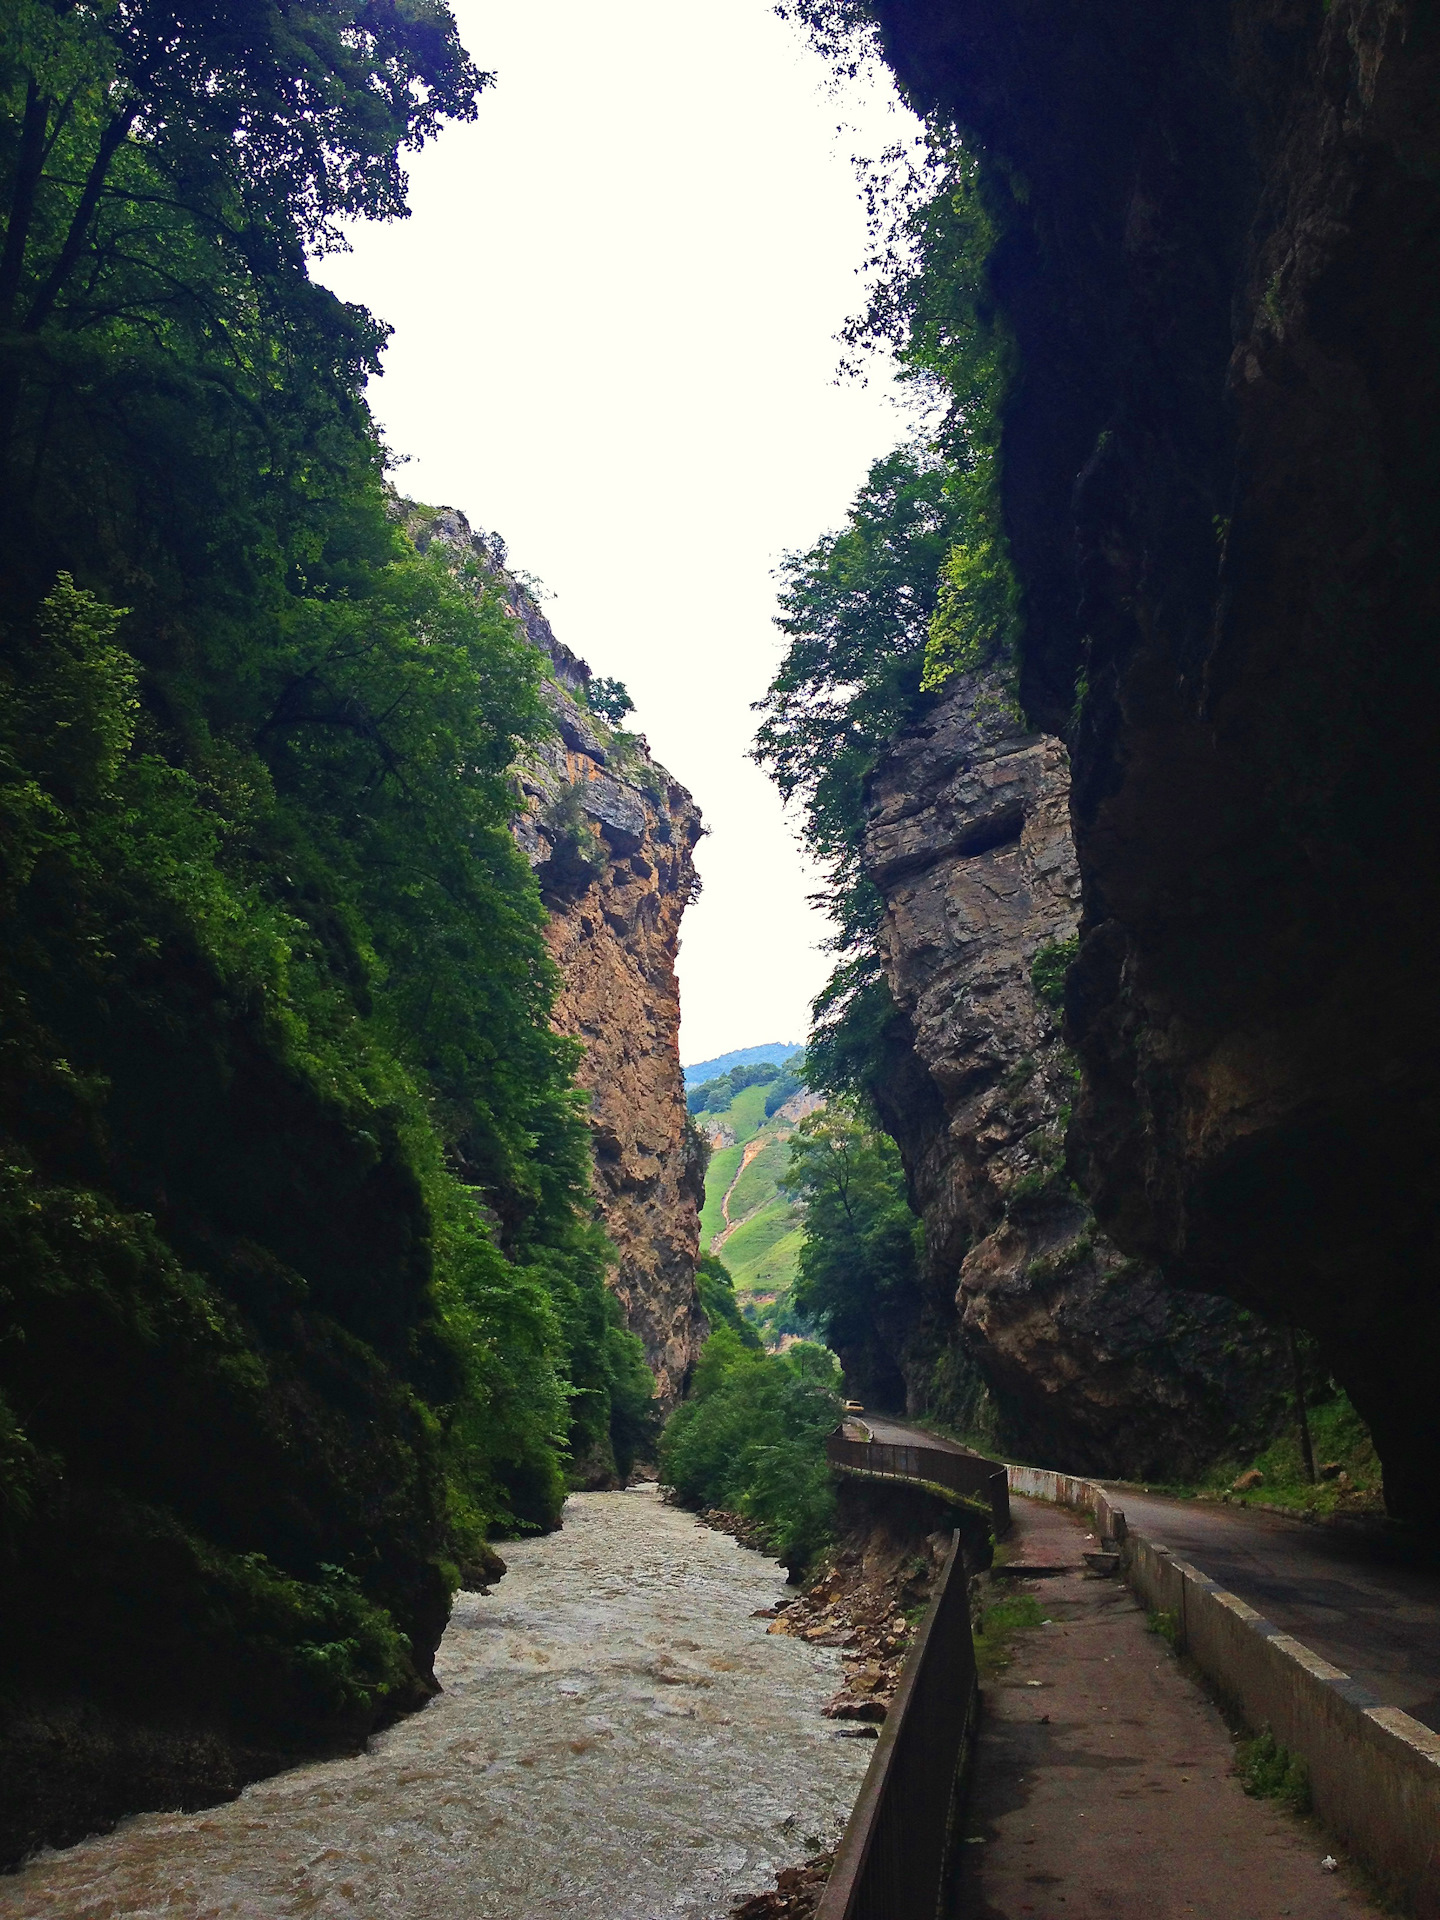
(617, 1738)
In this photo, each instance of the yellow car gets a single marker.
(854, 1406)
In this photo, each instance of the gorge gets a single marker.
(303, 1283)
(1174, 281)
(382, 1462)
(1221, 492)
(611, 836)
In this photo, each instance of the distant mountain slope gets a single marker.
(749, 1220)
(704, 1070)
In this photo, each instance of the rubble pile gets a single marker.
(867, 1603)
(795, 1895)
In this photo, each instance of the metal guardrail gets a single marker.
(893, 1860)
(967, 1474)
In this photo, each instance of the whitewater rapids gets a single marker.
(617, 1738)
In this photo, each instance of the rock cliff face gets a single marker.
(1222, 490)
(1089, 1361)
(611, 837)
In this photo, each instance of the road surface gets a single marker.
(896, 1434)
(1338, 1591)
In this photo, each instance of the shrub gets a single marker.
(1269, 1771)
(751, 1439)
(1049, 967)
(717, 1299)
(785, 1088)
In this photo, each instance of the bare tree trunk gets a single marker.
(1302, 1416)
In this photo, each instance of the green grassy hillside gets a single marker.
(760, 1241)
(724, 1165)
(761, 1176)
(765, 1251)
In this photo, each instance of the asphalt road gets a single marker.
(1338, 1591)
(1335, 1590)
(896, 1433)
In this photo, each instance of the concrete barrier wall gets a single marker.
(1374, 1771)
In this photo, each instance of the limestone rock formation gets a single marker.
(1090, 1362)
(1222, 492)
(611, 836)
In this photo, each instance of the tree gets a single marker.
(610, 699)
(304, 1292)
(917, 585)
(856, 610)
(164, 172)
(751, 1438)
(718, 1303)
(262, 124)
(859, 1265)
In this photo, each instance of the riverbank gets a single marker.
(618, 1738)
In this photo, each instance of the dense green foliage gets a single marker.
(931, 305)
(714, 1096)
(856, 610)
(860, 1257)
(302, 1291)
(779, 1051)
(776, 1320)
(751, 1440)
(609, 698)
(790, 1082)
(1048, 969)
(917, 586)
(717, 1300)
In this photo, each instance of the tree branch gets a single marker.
(22, 201)
(110, 141)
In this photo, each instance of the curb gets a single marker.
(1374, 1770)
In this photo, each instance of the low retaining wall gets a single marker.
(947, 1472)
(893, 1861)
(1374, 1771)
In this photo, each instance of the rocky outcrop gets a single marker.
(1221, 461)
(1087, 1359)
(611, 837)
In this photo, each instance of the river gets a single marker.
(617, 1738)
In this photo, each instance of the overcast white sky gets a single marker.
(614, 309)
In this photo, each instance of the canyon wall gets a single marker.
(1086, 1358)
(611, 837)
(1220, 262)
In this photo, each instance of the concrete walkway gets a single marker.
(1103, 1787)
